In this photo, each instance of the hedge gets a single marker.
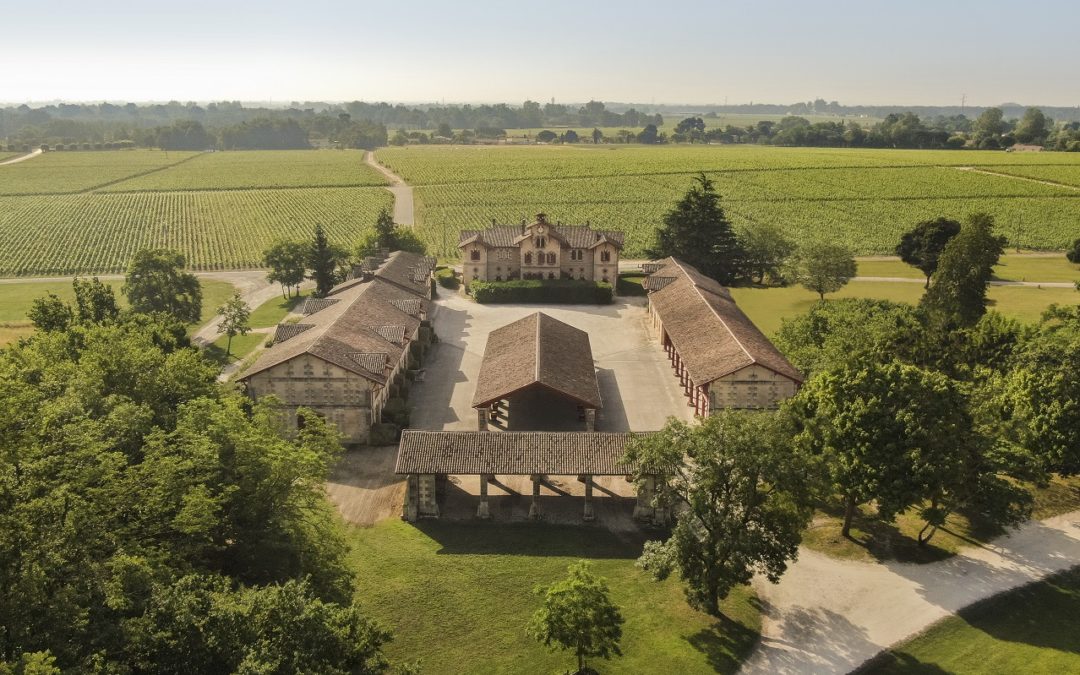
(554, 291)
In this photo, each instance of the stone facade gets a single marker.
(542, 250)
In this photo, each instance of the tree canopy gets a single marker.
(287, 261)
(156, 282)
(957, 293)
(741, 498)
(696, 231)
(922, 246)
(578, 615)
(822, 267)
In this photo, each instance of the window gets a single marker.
(605, 256)
(504, 254)
(551, 258)
(528, 258)
(551, 275)
(475, 255)
(577, 254)
(540, 241)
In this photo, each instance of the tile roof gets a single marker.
(654, 282)
(712, 335)
(284, 331)
(395, 334)
(349, 327)
(537, 350)
(411, 306)
(573, 236)
(513, 453)
(312, 305)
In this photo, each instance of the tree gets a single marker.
(901, 436)
(1034, 127)
(234, 319)
(822, 267)
(990, 124)
(444, 131)
(766, 250)
(49, 313)
(597, 136)
(648, 135)
(578, 614)
(323, 261)
(742, 498)
(546, 136)
(569, 136)
(697, 231)
(287, 261)
(922, 246)
(837, 332)
(156, 282)
(957, 293)
(387, 235)
(1073, 254)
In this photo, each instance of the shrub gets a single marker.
(384, 433)
(1073, 254)
(555, 291)
(446, 278)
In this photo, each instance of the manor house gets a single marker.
(541, 250)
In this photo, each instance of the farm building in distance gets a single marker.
(540, 251)
(348, 354)
(720, 356)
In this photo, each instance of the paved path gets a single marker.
(830, 616)
(403, 192)
(1009, 175)
(22, 158)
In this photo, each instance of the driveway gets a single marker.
(638, 387)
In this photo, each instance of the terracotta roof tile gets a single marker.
(513, 453)
(284, 331)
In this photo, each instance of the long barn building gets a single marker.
(721, 358)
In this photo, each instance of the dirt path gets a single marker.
(403, 192)
(830, 616)
(22, 158)
(1009, 175)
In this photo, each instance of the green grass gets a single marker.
(872, 539)
(458, 596)
(242, 345)
(1013, 267)
(272, 312)
(768, 306)
(630, 284)
(1033, 629)
(17, 298)
(864, 198)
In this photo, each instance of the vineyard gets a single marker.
(68, 212)
(865, 198)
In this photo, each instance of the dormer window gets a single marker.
(475, 254)
(605, 256)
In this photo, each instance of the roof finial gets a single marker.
(541, 218)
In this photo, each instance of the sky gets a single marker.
(737, 51)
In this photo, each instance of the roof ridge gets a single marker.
(698, 289)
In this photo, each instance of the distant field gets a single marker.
(238, 170)
(865, 198)
(64, 213)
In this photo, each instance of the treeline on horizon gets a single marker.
(357, 124)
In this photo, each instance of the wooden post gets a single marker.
(482, 510)
(534, 508)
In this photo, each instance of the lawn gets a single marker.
(17, 298)
(272, 312)
(458, 596)
(768, 306)
(242, 345)
(1033, 629)
(1012, 268)
(872, 539)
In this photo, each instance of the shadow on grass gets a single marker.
(885, 541)
(725, 644)
(533, 539)
(892, 662)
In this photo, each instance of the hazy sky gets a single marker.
(781, 51)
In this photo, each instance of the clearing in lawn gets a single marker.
(458, 597)
(1033, 629)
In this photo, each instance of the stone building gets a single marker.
(721, 358)
(348, 353)
(541, 250)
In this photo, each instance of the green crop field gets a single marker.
(65, 213)
(865, 198)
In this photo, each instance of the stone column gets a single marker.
(588, 515)
(534, 507)
(643, 509)
(590, 419)
(482, 510)
(428, 504)
(482, 418)
(411, 510)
